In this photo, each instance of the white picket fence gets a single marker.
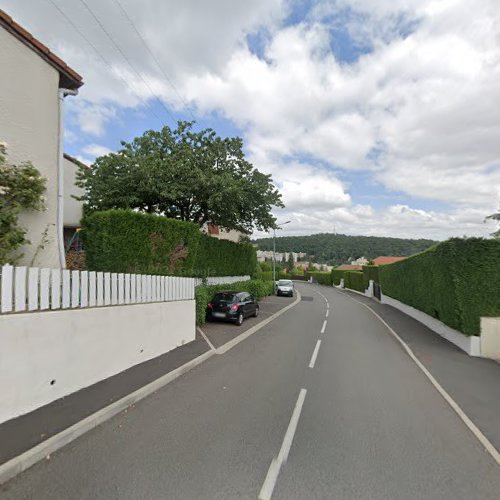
(35, 289)
(221, 280)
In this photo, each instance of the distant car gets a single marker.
(232, 306)
(285, 287)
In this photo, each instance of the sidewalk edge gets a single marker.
(25, 460)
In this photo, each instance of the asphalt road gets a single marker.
(355, 417)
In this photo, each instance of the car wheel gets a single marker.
(256, 313)
(239, 319)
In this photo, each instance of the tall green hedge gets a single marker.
(337, 275)
(205, 293)
(321, 277)
(457, 282)
(354, 280)
(224, 258)
(370, 273)
(132, 242)
(268, 275)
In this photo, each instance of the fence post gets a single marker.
(44, 288)
(7, 274)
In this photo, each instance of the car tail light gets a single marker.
(210, 306)
(234, 308)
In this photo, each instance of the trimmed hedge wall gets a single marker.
(124, 241)
(337, 275)
(224, 258)
(370, 273)
(205, 293)
(354, 280)
(268, 275)
(322, 277)
(456, 282)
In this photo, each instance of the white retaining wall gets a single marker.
(471, 345)
(47, 355)
(490, 338)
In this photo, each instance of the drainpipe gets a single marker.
(60, 178)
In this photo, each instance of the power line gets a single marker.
(103, 59)
(118, 48)
(155, 59)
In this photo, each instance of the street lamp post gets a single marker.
(274, 252)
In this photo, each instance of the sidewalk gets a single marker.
(474, 383)
(23, 433)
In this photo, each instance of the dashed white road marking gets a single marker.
(327, 312)
(315, 354)
(323, 328)
(274, 469)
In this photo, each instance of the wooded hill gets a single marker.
(337, 249)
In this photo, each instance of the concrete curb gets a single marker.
(251, 331)
(25, 460)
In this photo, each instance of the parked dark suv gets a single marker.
(232, 306)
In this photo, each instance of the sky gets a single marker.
(374, 117)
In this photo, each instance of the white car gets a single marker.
(285, 287)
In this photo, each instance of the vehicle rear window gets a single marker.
(285, 283)
(224, 297)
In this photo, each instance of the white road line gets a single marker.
(327, 312)
(323, 328)
(315, 354)
(466, 420)
(202, 333)
(274, 469)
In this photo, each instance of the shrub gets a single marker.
(204, 293)
(132, 242)
(456, 282)
(354, 280)
(21, 189)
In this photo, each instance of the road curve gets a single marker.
(369, 425)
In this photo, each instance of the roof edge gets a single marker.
(69, 78)
(77, 162)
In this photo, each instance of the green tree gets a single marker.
(183, 174)
(291, 262)
(21, 188)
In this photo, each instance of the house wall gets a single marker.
(29, 125)
(72, 207)
(222, 234)
(47, 355)
(230, 235)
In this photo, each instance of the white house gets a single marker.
(73, 209)
(223, 234)
(33, 83)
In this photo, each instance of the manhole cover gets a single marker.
(307, 298)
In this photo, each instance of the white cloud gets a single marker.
(95, 150)
(418, 113)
